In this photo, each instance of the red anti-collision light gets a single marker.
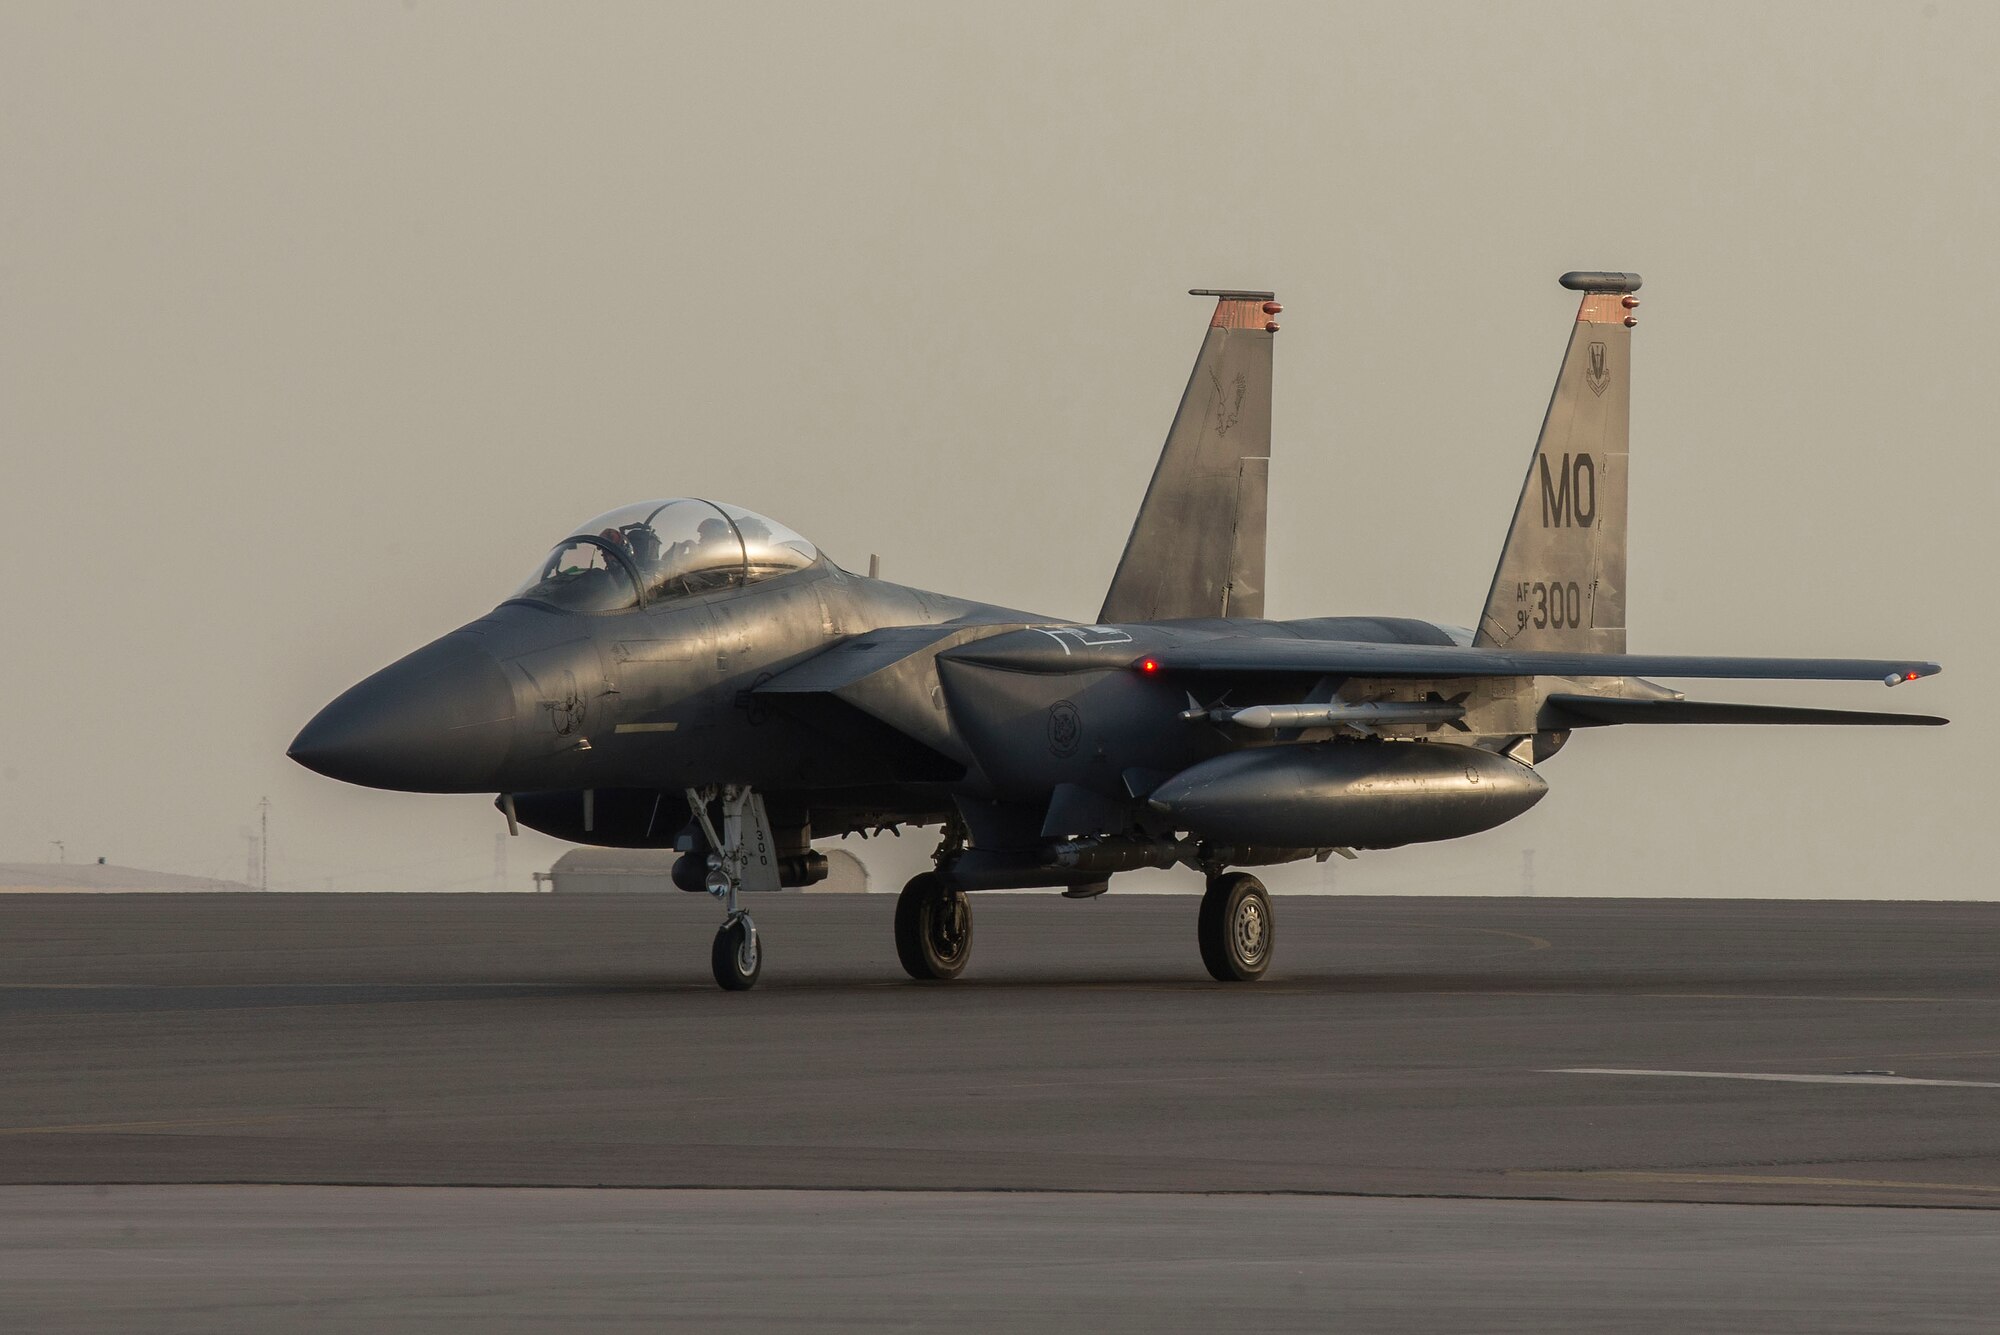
(1149, 665)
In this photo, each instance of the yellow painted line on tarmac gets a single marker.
(1752, 1180)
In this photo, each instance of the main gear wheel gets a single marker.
(933, 929)
(1236, 930)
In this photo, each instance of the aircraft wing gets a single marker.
(1337, 658)
(1596, 711)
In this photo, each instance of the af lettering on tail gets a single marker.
(1561, 578)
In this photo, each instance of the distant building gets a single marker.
(99, 878)
(596, 871)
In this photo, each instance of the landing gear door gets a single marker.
(746, 830)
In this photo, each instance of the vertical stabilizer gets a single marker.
(1561, 579)
(1197, 548)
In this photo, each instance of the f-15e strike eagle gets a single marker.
(686, 673)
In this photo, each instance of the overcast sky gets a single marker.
(319, 323)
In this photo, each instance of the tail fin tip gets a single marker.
(1596, 280)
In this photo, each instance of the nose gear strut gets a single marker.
(744, 859)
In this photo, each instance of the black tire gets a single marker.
(1236, 928)
(933, 929)
(737, 957)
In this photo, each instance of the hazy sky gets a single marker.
(318, 324)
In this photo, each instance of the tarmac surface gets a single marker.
(1078, 1095)
(222, 1259)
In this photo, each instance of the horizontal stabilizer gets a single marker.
(1594, 711)
(1336, 658)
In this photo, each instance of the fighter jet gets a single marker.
(685, 673)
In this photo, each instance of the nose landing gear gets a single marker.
(744, 859)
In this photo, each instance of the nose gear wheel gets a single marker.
(737, 957)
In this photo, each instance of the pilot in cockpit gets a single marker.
(643, 544)
(711, 538)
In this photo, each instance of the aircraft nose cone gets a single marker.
(438, 721)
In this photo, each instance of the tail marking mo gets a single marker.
(1563, 496)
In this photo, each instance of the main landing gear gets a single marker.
(933, 929)
(1236, 929)
(743, 860)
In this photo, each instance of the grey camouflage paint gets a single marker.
(1058, 754)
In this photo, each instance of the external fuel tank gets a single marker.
(1348, 794)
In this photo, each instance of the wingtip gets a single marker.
(1912, 672)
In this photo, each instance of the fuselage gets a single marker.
(597, 721)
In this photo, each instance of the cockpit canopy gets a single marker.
(661, 550)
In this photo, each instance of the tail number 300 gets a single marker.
(1558, 606)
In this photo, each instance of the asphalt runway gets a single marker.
(226, 1259)
(1083, 1077)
